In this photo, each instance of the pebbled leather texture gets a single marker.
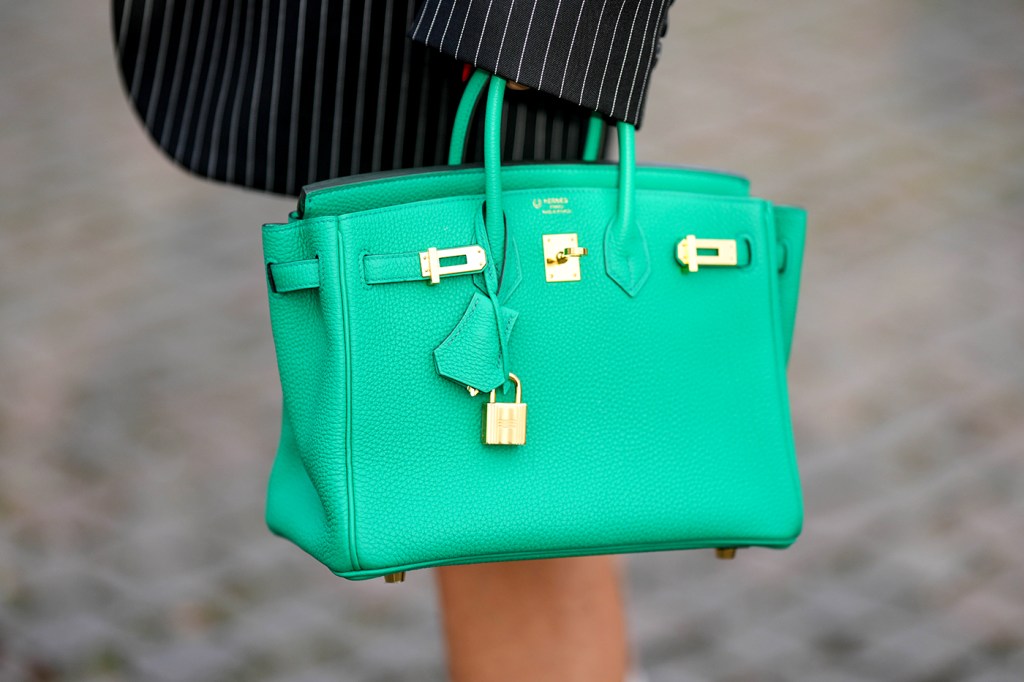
(656, 421)
(471, 354)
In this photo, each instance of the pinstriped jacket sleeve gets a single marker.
(595, 53)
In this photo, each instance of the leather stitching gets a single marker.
(781, 541)
(512, 171)
(385, 210)
(349, 465)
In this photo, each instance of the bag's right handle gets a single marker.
(627, 259)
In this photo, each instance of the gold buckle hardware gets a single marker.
(562, 254)
(430, 261)
(688, 251)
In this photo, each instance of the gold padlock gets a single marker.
(505, 423)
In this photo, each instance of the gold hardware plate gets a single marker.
(398, 577)
(474, 259)
(689, 252)
(562, 253)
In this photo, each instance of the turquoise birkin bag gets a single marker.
(532, 360)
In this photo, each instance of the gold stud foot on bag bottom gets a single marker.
(398, 577)
(725, 552)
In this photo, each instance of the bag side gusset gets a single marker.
(308, 492)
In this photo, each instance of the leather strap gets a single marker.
(294, 276)
(464, 115)
(467, 355)
(389, 268)
(595, 135)
(392, 267)
(476, 351)
(494, 215)
(499, 238)
(467, 108)
(627, 259)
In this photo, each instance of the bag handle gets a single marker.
(489, 326)
(494, 214)
(627, 258)
(464, 115)
(595, 135)
(467, 106)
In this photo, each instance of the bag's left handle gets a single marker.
(464, 114)
(471, 95)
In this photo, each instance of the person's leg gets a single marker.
(554, 619)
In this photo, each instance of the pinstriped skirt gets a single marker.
(277, 94)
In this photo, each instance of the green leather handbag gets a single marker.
(530, 361)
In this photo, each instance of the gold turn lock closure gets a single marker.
(505, 423)
(563, 256)
(468, 259)
(693, 252)
(562, 253)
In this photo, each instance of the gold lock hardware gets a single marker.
(688, 251)
(562, 257)
(398, 577)
(562, 254)
(505, 423)
(472, 259)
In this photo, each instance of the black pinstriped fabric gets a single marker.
(277, 94)
(596, 53)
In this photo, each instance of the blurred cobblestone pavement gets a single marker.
(139, 408)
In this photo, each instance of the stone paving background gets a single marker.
(139, 401)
